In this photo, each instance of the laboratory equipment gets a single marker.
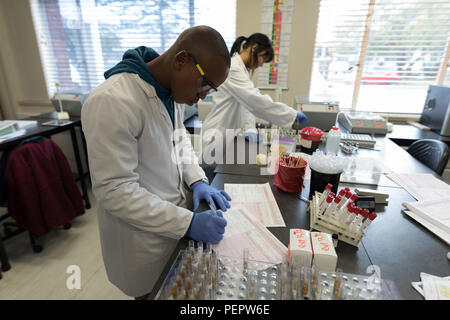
(363, 123)
(436, 111)
(342, 222)
(70, 102)
(333, 140)
(290, 174)
(366, 202)
(321, 115)
(62, 115)
(202, 275)
(310, 139)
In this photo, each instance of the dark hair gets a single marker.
(263, 42)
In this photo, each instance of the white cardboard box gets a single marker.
(325, 257)
(300, 246)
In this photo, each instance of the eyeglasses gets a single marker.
(205, 85)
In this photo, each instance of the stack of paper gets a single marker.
(432, 287)
(422, 186)
(432, 214)
(253, 208)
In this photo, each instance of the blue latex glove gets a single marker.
(203, 191)
(252, 137)
(300, 117)
(207, 227)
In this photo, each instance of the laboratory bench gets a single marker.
(397, 244)
(404, 134)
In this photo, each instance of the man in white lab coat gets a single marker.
(143, 168)
(237, 102)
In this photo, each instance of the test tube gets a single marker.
(345, 200)
(356, 223)
(370, 218)
(325, 194)
(306, 278)
(357, 218)
(344, 212)
(325, 205)
(352, 198)
(332, 207)
(245, 260)
(354, 213)
(337, 285)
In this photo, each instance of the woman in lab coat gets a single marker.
(143, 169)
(237, 102)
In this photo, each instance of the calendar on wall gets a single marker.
(276, 21)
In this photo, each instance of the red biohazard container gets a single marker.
(311, 137)
(290, 179)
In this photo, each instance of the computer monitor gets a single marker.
(435, 111)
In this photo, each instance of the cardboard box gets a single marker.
(300, 247)
(325, 257)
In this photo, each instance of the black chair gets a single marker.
(432, 153)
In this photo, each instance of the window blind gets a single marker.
(80, 39)
(404, 52)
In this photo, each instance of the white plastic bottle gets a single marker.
(333, 140)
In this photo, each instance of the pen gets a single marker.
(212, 209)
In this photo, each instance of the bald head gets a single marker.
(203, 41)
(207, 47)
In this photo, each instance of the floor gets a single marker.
(44, 275)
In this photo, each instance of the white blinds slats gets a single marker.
(406, 46)
(80, 39)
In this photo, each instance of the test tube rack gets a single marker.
(330, 224)
(243, 279)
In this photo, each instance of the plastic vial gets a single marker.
(345, 200)
(348, 212)
(352, 215)
(332, 207)
(245, 260)
(358, 220)
(333, 140)
(325, 205)
(370, 218)
(325, 193)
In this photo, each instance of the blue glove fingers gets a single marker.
(301, 117)
(226, 195)
(196, 201)
(219, 200)
(220, 221)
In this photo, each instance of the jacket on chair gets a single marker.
(42, 193)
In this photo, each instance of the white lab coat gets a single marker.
(140, 191)
(237, 102)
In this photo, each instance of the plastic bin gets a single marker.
(310, 141)
(290, 179)
(320, 180)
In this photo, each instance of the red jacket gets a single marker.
(42, 193)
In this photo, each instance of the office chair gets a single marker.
(432, 153)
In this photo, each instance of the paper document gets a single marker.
(419, 286)
(243, 231)
(434, 211)
(430, 226)
(422, 186)
(435, 288)
(258, 200)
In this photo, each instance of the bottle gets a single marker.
(333, 140)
